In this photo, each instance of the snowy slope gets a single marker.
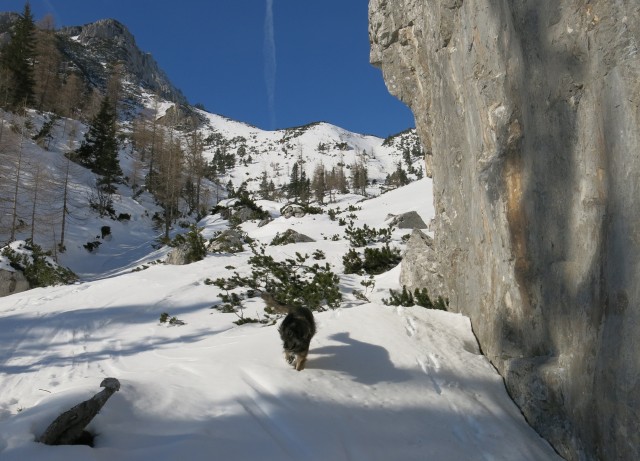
(133, 242)
(381, 382)
(273, 152)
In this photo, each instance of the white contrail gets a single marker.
(270, 62)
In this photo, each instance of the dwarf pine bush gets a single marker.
(36, 266)
(375, 261)
(194, 243)
(292, 282)
(419, 297)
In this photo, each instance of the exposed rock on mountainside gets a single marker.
(7, 19)
(531, 112)
(109, 41)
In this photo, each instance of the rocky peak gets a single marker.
(111, 42)
(105, 29)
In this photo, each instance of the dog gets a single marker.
(296, 331)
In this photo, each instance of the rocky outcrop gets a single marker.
(293, 210)
(530, 112)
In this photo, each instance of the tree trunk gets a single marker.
(69, 427)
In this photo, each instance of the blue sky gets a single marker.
(220, 53)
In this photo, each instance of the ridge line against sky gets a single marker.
(222, 54)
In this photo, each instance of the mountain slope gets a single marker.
(381, 383)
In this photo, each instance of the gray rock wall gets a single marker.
(530, 109)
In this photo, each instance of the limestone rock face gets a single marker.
(530, 110)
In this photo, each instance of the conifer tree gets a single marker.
(398, 178)
(195, 164)
(263, 189)
(18, 58)
(99, 150)
(304, 188)
(359, 178)
(293, 189)
(319, 183)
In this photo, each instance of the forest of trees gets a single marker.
(35, 75)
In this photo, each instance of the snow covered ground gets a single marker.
(382, 383)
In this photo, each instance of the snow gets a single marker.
(381, 383)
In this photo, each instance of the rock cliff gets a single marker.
(529, 111)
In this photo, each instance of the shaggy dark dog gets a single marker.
(296, 331)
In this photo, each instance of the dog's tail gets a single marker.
(274, 304)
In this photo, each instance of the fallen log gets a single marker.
(69, 427)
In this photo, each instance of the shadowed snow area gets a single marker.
(381, 382)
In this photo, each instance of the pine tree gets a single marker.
(398, 178)
(359, 178)
(293, 189)
(341, 180)
(18, 57)
(195, 170)
(319, 184)
(99, 150)
(304, 188)
(263, 190)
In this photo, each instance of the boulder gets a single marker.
(408, 220)
(12, 282)
(290, 236)
(229, 241)
(178, 255)
(293, 210)
(420, 265)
